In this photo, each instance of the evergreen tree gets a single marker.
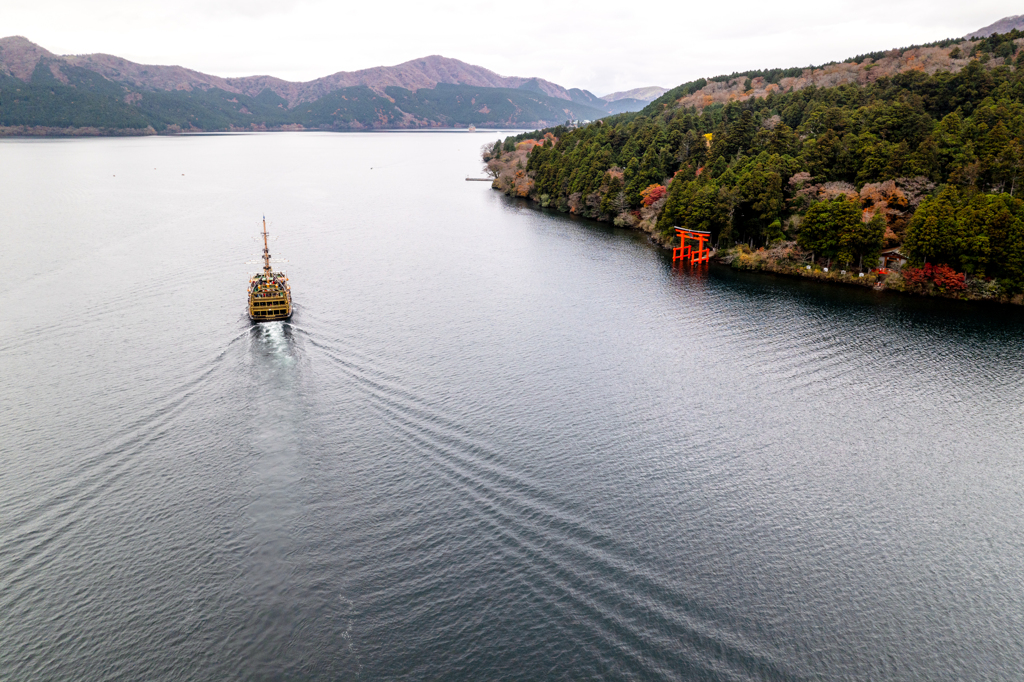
(833, 228)
(942, 232)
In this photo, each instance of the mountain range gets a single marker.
(44, 92)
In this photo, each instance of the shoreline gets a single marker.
(786, 260)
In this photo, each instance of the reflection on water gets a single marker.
(498, 443)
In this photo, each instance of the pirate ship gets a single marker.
(270, 296)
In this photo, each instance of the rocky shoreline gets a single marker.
(787, 259)
(88, 131)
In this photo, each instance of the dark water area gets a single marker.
(492, 443)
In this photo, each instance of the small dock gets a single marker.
(469, 179)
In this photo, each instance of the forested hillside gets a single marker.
(88, 100)
(819, 176)
(45, 93)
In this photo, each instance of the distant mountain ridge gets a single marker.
(19, 56)
(646, 94)
(1004, 25)
(176, 97)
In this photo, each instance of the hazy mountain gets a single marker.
(1004, 25)
(586, 97)
(41, 89)
(19, 57)
(651, 92)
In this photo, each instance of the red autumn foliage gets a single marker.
(943, 276)
(917, 276)
(652, 194)
(949, 279)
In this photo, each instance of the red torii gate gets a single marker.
(696, 254)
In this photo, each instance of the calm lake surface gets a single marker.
(493, 442)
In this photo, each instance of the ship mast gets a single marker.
(266, 251)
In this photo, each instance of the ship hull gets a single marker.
(286, 316)
(262, 310)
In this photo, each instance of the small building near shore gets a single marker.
(891, 259)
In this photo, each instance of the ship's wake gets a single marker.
(275, 340)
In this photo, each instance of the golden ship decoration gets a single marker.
(270, 295)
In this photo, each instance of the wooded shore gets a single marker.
(814, 177)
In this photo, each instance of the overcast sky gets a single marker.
(601, 46)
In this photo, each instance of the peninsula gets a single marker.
(899, 169)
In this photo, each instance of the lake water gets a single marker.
(492, 443)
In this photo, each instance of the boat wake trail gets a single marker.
(557, 559)
(275, 339)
